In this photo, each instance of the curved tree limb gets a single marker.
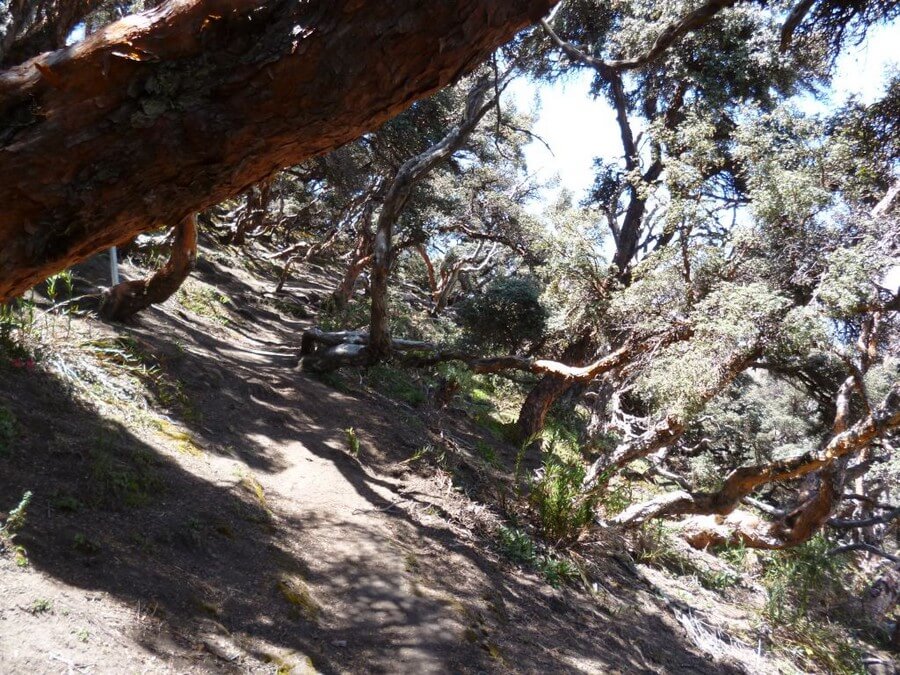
(794, 19)
(667, 430)
(695, 20)
(851, 523)
(411, 172)
(743, 481)
(420, 354)
(130, 297)
(868, 548)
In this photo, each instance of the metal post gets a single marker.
(114, 266)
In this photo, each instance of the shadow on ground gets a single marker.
(232, 569)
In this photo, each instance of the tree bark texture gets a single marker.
(167, 112)
(130, 297)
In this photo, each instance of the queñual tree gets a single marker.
(169, 111)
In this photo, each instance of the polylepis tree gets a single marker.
(164, 113)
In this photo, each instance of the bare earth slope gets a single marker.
(196, 509)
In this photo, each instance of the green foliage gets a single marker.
(734, 319)
(127, 354)
(15, 521)
(615, 494)
(352, 316)
(785, 186)
(803, 584)
(62, 281)
(800, 577)
(205, 301)
(562, 434)
(460, 377)
(866, 143)
(352, 441)
(706, 473)
(397, 383)
(819, 647)
(656, 297)
(487, 453)
(507, 316)
(516, 544)
(757, 419)
(557, 571)
(563, 510)
(519, 547)
(67, 502)
(17, 329)
(846, 288)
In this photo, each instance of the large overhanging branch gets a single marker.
(170, 111)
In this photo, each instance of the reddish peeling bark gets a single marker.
(130, 297)
(340, 298)
(167, 112)
(545, 393)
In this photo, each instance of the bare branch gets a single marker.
(868, 548)
(667, 37)
(741, 482)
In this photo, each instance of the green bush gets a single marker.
(518, 546)
(799, 577)
(17, 329)
(16, 519)
(563, 509)
(507, 316)
(556, 571)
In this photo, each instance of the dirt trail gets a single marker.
(246, 537)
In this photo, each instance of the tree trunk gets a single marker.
(411, 172)
(379, 326)
(255, 212)
(545, 393)
(448, 282)
(130, 297)
(194, 101)
(538, 403)
(429, 269)
(340, 298)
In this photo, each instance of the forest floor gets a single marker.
(201, 505)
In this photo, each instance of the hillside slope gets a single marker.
(200, 505)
